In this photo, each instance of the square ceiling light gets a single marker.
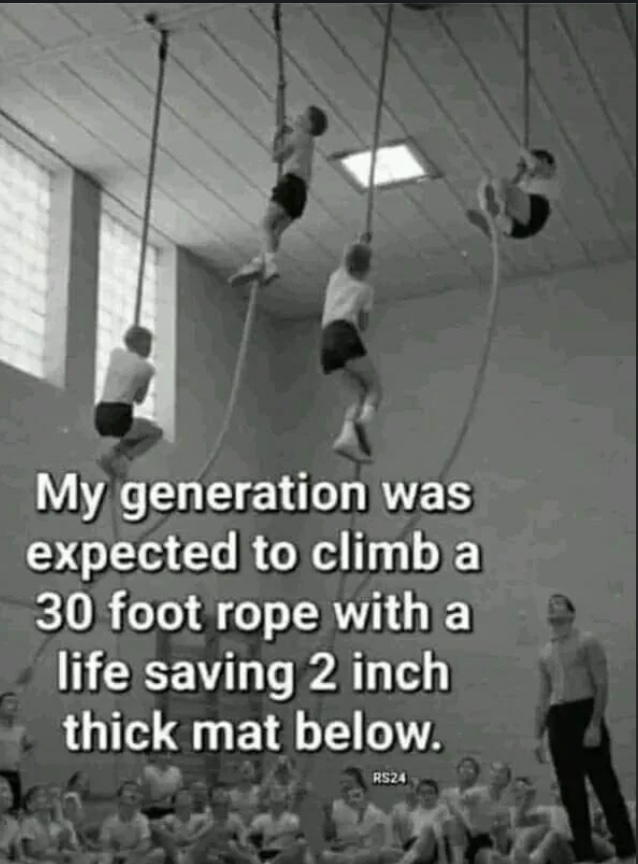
(397, 164)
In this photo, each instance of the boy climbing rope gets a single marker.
(127, 382)
(347, 306)
(294, 149)
(521, 206)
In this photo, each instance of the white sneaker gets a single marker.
(248, 273)
(348, 446)
(270, 271)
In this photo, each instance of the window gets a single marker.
(117, 286)
(25, 204)
(395, 164)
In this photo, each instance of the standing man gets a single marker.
(571, 708)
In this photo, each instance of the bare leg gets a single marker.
(348, 443)
(141, 437)
(275, 222)
(423, 848)
(364, 370)
(458, 840)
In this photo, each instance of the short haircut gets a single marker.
(471, 761)
(565, 599)
(318, 121)
(429, 784)
(135, 333)
(357, 776)
(128, 784)
(357, 259)
(545, 155)
(506, 768)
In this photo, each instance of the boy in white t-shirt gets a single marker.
(347, 306)
(521, 206)
(276, 834)
(293, 148)
(127, 382)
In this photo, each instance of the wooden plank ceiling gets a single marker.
(81, 76)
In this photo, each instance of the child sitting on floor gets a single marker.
(128, 379)
(9, 827)
(347, 307)
(125, 836)
(43, 836)
(521, 206)
(294, 149)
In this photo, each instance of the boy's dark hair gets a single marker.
(568, 603)
(472, 761)
(430, 784)
(545, 155)
(318, 121)
(127, 784)
(357, 776)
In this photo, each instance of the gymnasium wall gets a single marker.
(43, 427)
(551, 455)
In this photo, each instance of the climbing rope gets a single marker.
(367, 238)
(527, 74)
(150, 179)
(26, 676)
(464, 428)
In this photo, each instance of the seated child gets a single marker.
(276, 833)
(521, 206)
(426, 828)
(224, 839)
(128, 378)
(125, 837)
(160, 781)
(347, 307)
(44, 837)
(179, 831)
(9, 827)
(294, 149)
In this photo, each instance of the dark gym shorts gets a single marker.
(340, 342)
(155, 813)
(113, 419)
(539, 214)
(476, 843)
(291, 193)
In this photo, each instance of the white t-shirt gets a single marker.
(162, 783)
(9, 837)
(12, 743)
(558, 819)
(246, 802)
(120, 835)
(300, 160)
(186, 831)
(276, 832)
(127, 373)
(346, 297)
(421, 819)
(480, 809)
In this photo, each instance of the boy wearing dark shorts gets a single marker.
(347, 306)
(294, 149)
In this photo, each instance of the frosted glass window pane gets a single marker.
(25, 207)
